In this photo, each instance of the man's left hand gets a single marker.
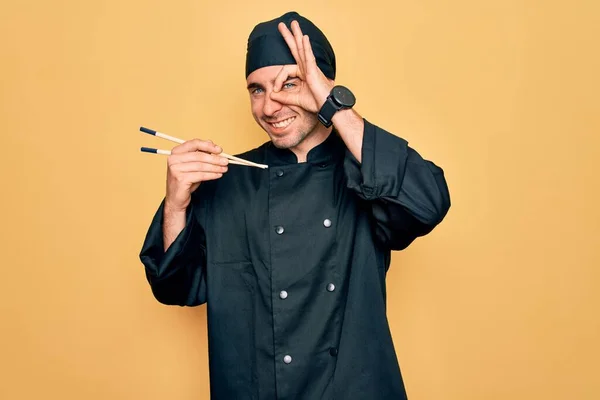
(314, 85)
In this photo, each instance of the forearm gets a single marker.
(408, 194)
(173, 224)
(350, 125)
(175, 268)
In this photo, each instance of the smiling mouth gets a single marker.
(282, 124)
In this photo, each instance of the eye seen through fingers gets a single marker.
(290, 83)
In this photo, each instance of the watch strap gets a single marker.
(327, 112)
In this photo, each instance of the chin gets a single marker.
(285, 142)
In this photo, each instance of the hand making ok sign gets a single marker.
(314, 85)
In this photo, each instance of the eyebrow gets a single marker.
(254, 85)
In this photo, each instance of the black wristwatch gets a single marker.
(340, 98)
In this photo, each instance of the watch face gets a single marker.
(343, 96)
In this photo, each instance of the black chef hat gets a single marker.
(267, 47)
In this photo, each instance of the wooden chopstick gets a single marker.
(232, 159)
(168, 153)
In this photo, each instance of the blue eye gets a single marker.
(288, 85)
(256, 91)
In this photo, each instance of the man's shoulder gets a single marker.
(257, 154)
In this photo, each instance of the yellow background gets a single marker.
(500, 302)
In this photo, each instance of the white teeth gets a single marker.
(284, 123)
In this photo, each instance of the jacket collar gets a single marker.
(329, 151)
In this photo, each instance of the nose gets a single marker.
(270, 106)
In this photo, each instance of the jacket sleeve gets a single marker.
(408, 195)
(177, 276)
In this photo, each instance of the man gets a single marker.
(291, 260)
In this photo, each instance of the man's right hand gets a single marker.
(189, 164)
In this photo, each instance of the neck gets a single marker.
(312, 140)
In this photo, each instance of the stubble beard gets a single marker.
(295, 140)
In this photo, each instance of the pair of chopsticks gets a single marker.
(232, 159)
